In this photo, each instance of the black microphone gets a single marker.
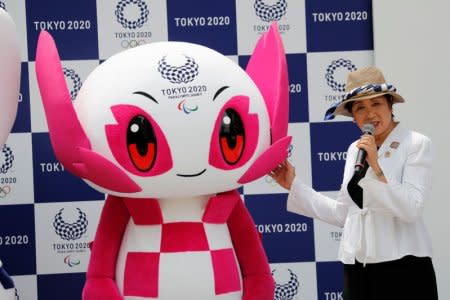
(361, 157)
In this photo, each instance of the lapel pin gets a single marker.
(394, 145)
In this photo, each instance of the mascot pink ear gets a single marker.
(70, 143)
(268, 69)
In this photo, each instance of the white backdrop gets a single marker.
(412, 47)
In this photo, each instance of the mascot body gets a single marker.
(9, 96)
(169, 131)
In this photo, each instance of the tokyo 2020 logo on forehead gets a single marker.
(8, 160)
(335, 65)
(70, 231)
(269, 13)
(75, 80)
(124, 10)
(287, 290)
(178, 74)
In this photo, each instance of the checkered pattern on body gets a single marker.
(201, 253)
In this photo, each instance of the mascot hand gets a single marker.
(101, 289)
(259, 287)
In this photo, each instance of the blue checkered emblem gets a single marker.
(269, 13)
(178, 74)
(75, 80)
(8, 160)
(132, 24)
(338, 64)
(287, 291)
(70, 231)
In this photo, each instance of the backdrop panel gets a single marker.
(324, 41)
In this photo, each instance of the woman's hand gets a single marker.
(367, 142)
(284, 174)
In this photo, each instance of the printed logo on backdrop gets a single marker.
(336, 235)
(329, 144)
(329, 280)
(2, 5)
(70, 231)
(336, 76)
(269, 13)
(52, 183)
(8, 159)
(17, 239)
(71, 262)
(72, 234)
(280, 228)
(346, 26)
(132, 15)
(287, 290)
(74, 82)
(208, 23)
(69, 22)
(6, 163)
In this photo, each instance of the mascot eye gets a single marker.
(141, 143)
(231, 136)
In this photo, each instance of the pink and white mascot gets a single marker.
(169, 131)
(9, 96)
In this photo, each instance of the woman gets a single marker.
(385, 248)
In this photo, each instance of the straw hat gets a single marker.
(363, 84)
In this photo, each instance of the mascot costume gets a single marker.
(9, 97)
(169, 131)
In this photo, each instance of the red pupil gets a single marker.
(145, 161)
(232, 153)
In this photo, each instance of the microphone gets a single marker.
(361, 157)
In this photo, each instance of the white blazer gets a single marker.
(390, 224)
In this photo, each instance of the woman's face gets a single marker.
(376, 111)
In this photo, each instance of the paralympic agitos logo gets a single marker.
(70, 231)
(178, 74)
(269, 13)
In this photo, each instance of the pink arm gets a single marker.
(100, 283)
(258, 281)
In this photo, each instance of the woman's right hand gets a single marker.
(284, 174)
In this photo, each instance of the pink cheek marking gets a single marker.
(251, 129)
(116, 136)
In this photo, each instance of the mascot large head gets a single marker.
(9, 96)
(169, 119)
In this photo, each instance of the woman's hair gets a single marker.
(348, 106)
